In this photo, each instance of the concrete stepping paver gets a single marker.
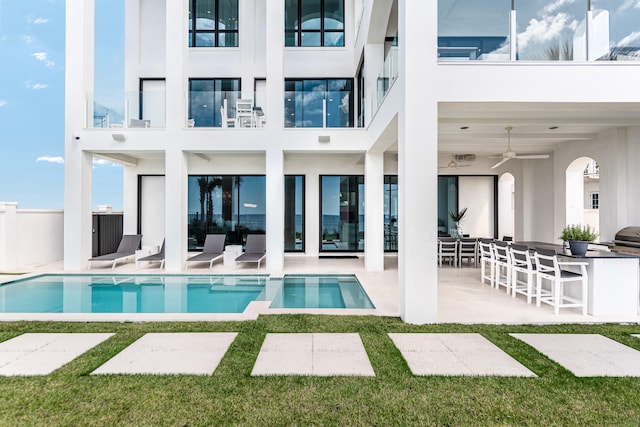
(587, 355)
(190, 353)
(314, 354)
(42, 353)
(456, 355)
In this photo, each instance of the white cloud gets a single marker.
(545, 29)
(50, 159)
(28, 39)
(3, 102)
(553, 7)
(43, 57)
(628, 4)
(39, 21)
(103, 162)
(35, 86)
(630, 39)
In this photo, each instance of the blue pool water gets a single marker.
(176, 293)
(321, 292)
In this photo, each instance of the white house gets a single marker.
(353, 126)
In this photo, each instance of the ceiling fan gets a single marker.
(510, 154)
(453, 164)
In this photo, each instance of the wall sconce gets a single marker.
(119, 137)
(324, 138)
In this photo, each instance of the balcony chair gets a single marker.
(137, 123)
(549, 268)
(468, 250)
(487, 259)
(522, 262)
(244, 113)
(212, 251)
(226, 120)
(448, 249)
(502, 274)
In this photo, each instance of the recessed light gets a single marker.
(553, 128)
(464, 127)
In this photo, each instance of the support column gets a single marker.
(175, 209)
(275, 64)
(374, 212)
(176, 58)
(275, 209)
(418, 162)
(312, 217)
(77, 168)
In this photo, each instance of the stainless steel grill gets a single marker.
(627, 241)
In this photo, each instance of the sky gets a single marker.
(32, 44)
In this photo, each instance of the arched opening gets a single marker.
(583, 193)
(506, 205)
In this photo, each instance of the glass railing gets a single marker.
(538, 30)
(226, 109)
(132, 110)
(317, 108)
(386, 77)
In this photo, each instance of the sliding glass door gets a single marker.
(342, 208)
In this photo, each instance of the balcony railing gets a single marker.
(226, 109)
(132, 109)
(386, 77)
(543, 30)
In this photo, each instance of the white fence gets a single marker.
(29, 238)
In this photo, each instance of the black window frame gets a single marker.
(326, 81)
(215, 111)
(304, 214)
(193, 31)
(298, 32)
(360, 181)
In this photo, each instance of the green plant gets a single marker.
(457, 216)
(579, 232)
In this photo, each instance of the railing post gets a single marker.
(324, 111)
(513, 33)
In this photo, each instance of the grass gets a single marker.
(71, 396)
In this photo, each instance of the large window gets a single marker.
(318, 103)
(213, 23)
(206, 96)
(314, 23)
(294, 213)
(342, 208)
(229, 204)
(391, 213)
(447, 202)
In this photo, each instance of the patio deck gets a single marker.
(462, 298)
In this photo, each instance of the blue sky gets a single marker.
(32, 37)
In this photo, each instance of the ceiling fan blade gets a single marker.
(497, 156)
(533, 156)
(501, 162)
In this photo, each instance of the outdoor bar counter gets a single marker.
(613, 279)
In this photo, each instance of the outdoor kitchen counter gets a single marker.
(613, 279)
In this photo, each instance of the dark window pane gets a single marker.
(228, 39)
(333, 14)
(311, 16)
(205, 15)
(205, 39)
(290, 39)
(291, 14)
(227, 15)
(294, 213)
(342, 207)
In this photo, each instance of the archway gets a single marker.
(583, 193)
(506, 205)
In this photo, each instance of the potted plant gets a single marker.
(579, 237)
(457, 217)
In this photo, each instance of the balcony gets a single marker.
(131, 110)
(227, 109)
(545, 30)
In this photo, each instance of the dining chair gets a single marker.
(503, 265)
(244, 113)
(487, 259)
(468, 249)
(549, 268)
(448, 249)
(522, 262)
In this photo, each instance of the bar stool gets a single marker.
(502, 272)
(521, 262)
(548, 268)
(487, 259)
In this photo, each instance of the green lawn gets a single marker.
(70, 396)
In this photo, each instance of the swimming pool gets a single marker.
(54, 293)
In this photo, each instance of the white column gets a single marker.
(176, 58)
(312, 216)
(417, 162)
(8, 226)
(130, 201)
(275, 209)
(275, 64)
(78, 99)
(175, 209)
(374, 212)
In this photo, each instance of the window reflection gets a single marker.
(342, 207)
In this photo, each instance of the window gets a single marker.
(391, 213)
(213, 23)
(294, 213)
(314, 23)
(206, 96)
(318, 103)
(595, 200)
(342, 213)
(229, 204)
